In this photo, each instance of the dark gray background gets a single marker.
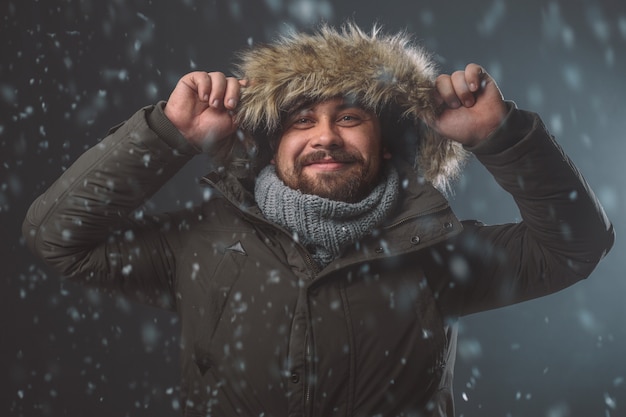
(71, 69)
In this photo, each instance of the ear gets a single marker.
(386, 153)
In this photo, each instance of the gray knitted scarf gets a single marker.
(325, 227)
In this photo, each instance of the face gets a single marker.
(332, 149)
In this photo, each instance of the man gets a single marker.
(326, 275)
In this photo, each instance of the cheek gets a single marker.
(287, 151)
(282, 162)
(375, 151)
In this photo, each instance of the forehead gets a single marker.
(329, 105)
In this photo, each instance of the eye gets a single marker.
(349, 120)
(300, 122)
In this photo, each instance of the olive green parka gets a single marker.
(264, 331)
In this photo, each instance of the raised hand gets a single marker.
(473, 106)
(201, 107)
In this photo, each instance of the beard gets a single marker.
(348, 185)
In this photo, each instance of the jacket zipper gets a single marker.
(307, 371)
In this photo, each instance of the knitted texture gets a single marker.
(325, 227)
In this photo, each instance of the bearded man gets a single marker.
(326, 273)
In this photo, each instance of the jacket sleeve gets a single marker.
(563, 234)
(86, 226)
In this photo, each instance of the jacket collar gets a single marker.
(422, 217)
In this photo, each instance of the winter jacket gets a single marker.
(264, 331)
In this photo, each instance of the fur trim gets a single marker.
(384, 73)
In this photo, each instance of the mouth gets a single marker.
(328, 164)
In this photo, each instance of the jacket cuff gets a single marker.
(163, 127)
(515, 126)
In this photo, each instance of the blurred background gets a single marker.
(70, 69)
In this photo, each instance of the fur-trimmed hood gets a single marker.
(384, 73)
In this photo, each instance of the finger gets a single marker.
(199, 83)
(445, 92)
(462, 88)
(218, 89)
(474, 75)
(231, 96)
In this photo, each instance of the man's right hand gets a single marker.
(201, 107)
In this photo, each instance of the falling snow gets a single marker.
(73, 69)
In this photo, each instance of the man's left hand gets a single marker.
(472, 105)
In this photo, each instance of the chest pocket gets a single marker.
(209, 288)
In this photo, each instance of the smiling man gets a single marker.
(326, 274)
(332, 149)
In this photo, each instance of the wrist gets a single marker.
(514, 127)
(160, 124)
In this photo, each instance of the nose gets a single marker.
(326, 136)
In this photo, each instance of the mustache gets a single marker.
(339, 155)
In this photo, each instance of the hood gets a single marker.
(388, 74)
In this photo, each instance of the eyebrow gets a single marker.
(309, 108)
